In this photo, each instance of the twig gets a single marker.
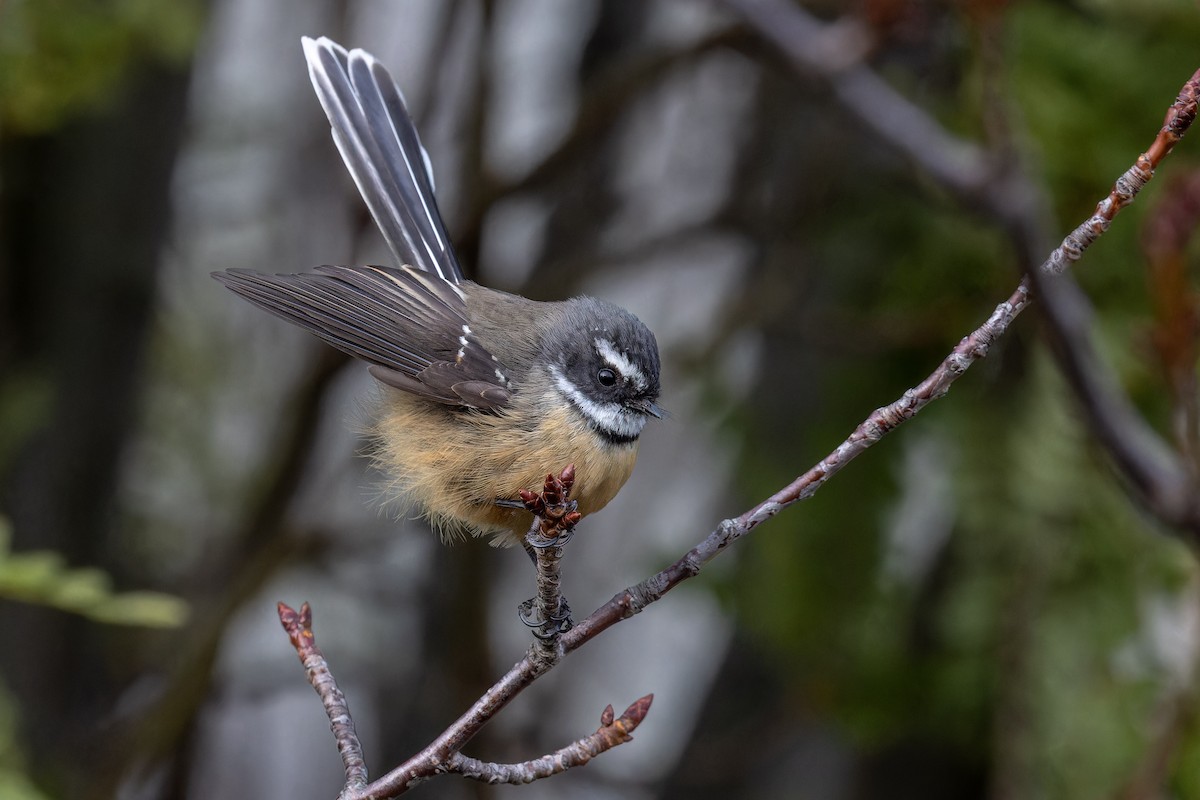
(299, 630)
(1157, 474)
(1179, 118)
(880, 422)
(545, 613)
(554, 518)
(610, 734)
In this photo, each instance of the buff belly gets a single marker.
(453, 465)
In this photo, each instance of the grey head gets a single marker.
(604, 362)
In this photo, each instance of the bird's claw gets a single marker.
(538, 543)
(545, 629)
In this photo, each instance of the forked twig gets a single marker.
(613, 730)
(611, 733)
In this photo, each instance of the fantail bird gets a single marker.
(484, 392)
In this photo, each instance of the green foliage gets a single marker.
(60, 56)
(16, 786)
(42, 577)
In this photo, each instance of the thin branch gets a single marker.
(554, 519)
(1161, 479)
(611, 733)
(550, 616)
(299, 629)
(431, 760)
(877, 425)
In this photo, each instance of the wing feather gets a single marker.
(409, 325)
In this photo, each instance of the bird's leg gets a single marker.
(554, 519)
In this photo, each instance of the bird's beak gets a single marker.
(649, 407)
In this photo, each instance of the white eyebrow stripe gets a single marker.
(620, 362)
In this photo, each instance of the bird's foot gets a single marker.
(559, 622)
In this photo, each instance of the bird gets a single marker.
(482, 393)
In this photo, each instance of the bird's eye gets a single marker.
(606, 377)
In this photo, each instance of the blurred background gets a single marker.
(975, 608)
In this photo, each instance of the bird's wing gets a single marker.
(379, 143)
(411, 327)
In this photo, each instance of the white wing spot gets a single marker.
(463, 343)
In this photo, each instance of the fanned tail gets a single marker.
(379, 143)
